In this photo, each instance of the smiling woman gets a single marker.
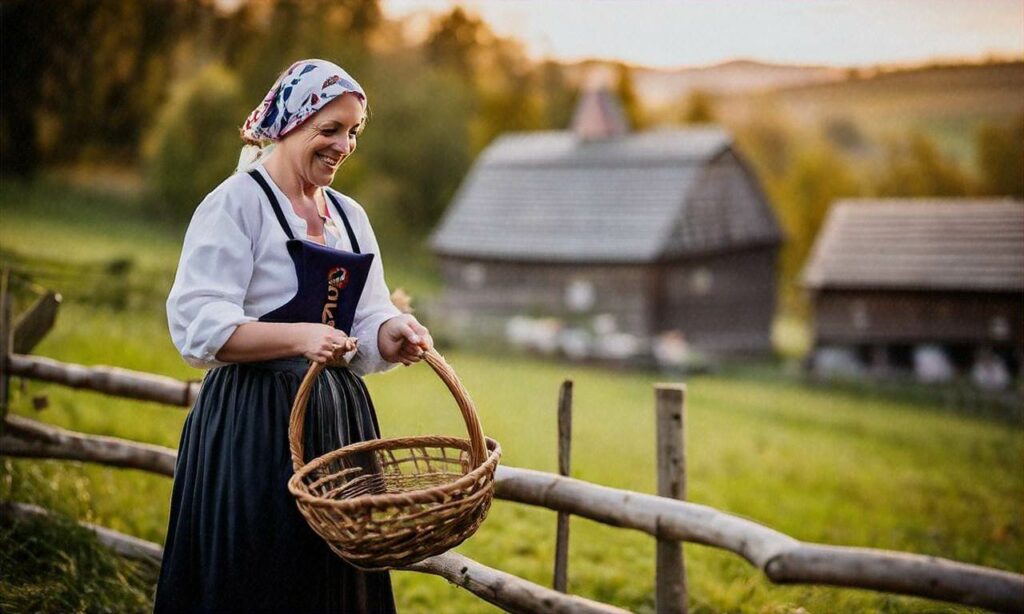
(309, 156)
(277, 270)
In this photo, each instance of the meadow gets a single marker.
(821, 465)
(948, 103)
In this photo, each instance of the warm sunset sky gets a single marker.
(695, 32)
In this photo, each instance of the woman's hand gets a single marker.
(403, 339)
(320, 342)
(254, 341)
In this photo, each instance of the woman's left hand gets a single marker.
(403, 339)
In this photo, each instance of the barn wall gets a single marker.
(721, 303)
(481, 294)
(865, 317)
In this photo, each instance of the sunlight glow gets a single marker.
(669, 34)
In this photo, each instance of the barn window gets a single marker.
(579, 295)
(999, 328)
(701, 280)
(474, 275)
(859, 315)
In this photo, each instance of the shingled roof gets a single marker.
(552, 196)
(920, 244)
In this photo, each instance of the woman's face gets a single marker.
(316, 149)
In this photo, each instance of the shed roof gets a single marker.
(920, 244)
(550, 196)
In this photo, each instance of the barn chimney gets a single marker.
(599, 115)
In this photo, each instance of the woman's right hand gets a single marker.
(320, 342)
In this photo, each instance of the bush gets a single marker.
(194, 143)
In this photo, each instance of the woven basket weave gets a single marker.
(388, 503)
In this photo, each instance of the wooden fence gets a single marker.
(669, 519)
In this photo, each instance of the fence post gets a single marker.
(6, 341)
(564, 446)
(670, 586)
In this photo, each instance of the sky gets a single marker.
(664, 33)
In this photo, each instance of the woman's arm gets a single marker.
(254, 341)
(205, 304)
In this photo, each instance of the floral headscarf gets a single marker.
(302, 90)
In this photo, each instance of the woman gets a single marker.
(277, 270)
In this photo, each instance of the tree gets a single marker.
(455, 41)
(769, 142)
(916, 167)
(1000, 158)
(845, 133)
(818, 176)
(504, 84)
(194, 144)
(699, 108)
(625, 89)
(416, 147)
(87, 71)
(557, 95)
(261, 39)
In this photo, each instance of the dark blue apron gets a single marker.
(330, 281)
(236, 541)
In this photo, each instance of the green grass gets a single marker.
(57, 566)
(821, 465)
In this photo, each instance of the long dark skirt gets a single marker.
(236, 541)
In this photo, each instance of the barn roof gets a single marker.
(551, 196)
(920, 244)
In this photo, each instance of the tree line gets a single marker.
(165, 84)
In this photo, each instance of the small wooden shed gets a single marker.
(653, 232)
(890, 276)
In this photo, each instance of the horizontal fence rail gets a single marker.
(108, 380)
(783, 559)
(510, 593)
(30, 439)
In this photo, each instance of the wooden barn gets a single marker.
(634, 234)
(935, 286)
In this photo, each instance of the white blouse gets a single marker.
(234, 268)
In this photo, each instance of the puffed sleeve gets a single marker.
(375, 306)
(206, 301)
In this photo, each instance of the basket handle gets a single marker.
(478, 451)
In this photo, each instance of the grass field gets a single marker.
(819, 465)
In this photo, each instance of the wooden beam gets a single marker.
(508, 592)
(657, 516)
(561, 576)
(109, 380)
(35, 323)
(670, 570)
(898, 572)
(782, 558)
(30, 439)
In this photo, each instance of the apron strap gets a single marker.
(255, 174)
(344, 219)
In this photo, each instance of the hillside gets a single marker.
(659, 87)
(947, 103)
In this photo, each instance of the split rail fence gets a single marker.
(668, 518)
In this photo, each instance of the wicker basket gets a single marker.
(388, 503)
